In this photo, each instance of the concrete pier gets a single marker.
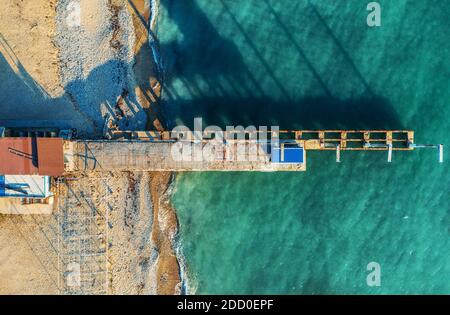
(100, 156)
(285, 151)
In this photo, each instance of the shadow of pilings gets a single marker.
(11, 58)
(139, 15)
(305, 113)
(341, 48)
(99, 88)
(200, 48)
(203, 54)
(153, 42)
(257, 52)
(235, 95)
(220, 57)
(299, 49)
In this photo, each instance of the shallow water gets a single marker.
(314, 64)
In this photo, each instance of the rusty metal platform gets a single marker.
(311, 139)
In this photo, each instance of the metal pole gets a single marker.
(389, 152)
(338, 153)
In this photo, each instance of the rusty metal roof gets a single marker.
(50, 156)
(31, 156)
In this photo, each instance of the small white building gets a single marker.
(27, 166)
(25, 186)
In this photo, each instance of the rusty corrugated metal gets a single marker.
(16, 157)
(31, 156)
(50, 156)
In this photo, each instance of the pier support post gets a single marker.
(338, 153)
(389, 152)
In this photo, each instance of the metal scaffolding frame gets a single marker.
(83, 241)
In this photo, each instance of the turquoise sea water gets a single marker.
(314, 64)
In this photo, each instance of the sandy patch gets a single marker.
(28, 264)
(31, 88)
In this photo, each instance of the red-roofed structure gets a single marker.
(31, 156)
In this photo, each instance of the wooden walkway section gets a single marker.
(355, 139)
(311, 139)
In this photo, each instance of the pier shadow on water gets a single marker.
(207, 75)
